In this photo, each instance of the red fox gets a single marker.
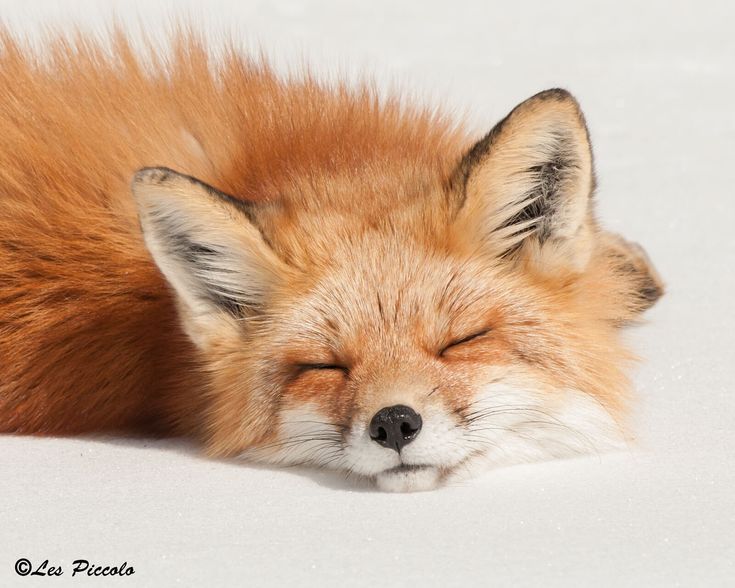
(299, 272)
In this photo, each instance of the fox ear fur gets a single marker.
(526, 186)
(209, 249)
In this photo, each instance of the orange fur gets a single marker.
(88, 336)
(357, 195)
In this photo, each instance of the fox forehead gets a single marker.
(380, 292)
(317, 223)
(373, 258)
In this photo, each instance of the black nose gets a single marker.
(395, 426)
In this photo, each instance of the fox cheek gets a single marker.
(244, 407)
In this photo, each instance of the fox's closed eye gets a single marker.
(463, 340)
(305, 367)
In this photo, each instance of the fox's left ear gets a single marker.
(525, 188)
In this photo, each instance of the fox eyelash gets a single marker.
(464, 340)
(304, 367)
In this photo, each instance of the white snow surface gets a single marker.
(657, 83)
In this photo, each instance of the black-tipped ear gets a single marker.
(528, 182)
(207, 246)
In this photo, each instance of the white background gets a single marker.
(657, 83)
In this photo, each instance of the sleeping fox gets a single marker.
(297, 272)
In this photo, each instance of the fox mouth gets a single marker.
(406, 467)
(409, 478)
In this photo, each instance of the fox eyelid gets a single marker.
(303, 367)
(464, 340)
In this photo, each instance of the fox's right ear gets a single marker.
(209, 249)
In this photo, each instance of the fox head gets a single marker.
(406, 324)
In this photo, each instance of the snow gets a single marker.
(656, 81)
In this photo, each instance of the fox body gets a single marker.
(299, 272)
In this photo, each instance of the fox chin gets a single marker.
(296, 272)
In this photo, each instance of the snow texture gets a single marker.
(656, 81)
